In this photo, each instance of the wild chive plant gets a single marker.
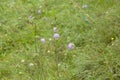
(56, 36)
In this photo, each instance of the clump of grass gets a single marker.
(59, 40)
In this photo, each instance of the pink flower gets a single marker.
(71, 46)
(42, 40)
(56, 36)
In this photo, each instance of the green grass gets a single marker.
(94, 30)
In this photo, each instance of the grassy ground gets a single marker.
(92, 25)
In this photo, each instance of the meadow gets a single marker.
(59, 40)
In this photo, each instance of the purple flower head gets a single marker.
(71, 46)
(55, 29)
(42, 40)
(56, 36)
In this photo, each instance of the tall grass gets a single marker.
(93, 26)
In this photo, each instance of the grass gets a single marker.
(94, 30)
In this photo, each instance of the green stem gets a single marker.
(57, 60)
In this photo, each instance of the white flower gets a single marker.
(31, 64)
(55, 29)
(39, 11)
(48, 51)
(42, 40)
(85, 6)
